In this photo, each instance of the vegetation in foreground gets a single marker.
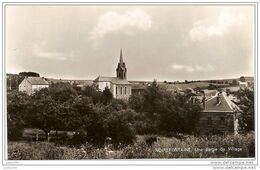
(164, 147)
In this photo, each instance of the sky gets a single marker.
(158, 42)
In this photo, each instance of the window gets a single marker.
(121, 90)
(125, 90)
(116, 90)
(106, 84)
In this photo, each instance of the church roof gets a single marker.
(37, 81)
(113, 80)
(224, 104)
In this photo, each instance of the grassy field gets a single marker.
(165, 147)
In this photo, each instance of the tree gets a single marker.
(44, 112)
(234, 82)
(177, 115)
(17, 108)
(91, 91)
(242, 79)
(62, 91)
(170, 112)
(246, 113)
(136, 102)
(119, 126)
(29, 74)
(107, 96)
(88, 118)
(212, 87)
(151, 96)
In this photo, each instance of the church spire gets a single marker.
(121, 68)
(121, 57)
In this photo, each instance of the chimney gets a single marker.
(218, 98)
(204, 102)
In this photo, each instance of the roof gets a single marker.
(210, 93)
(113, 80)
(37, 81)
(139, 86)
(224, 104)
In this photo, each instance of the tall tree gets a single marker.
(62, 91)
(17, 108)
(44, 112)
(107, 96)
(246, 104)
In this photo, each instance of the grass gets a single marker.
(165, 147)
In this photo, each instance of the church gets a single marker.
(119, 86)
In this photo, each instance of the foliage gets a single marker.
(246, 112)
(91, 91)
(17, 108)
(167, 111)
(45, 113)
(242, 79)
(29, 74)
(234, 82)
(136, 102)
(107, 96)
(239, 146)
(33, 151)
(62, 91)
(119, 126)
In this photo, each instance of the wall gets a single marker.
(26, 87)
(220, 123)
(38, 87)
(103, 85)
(123, 91)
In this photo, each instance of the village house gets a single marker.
(31, 84)
(119, 86)
(242, 85)
(218, 116)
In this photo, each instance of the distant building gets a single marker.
(218, 116)
(138, 88)
(31, 84)
(119, 86)
(242, 85)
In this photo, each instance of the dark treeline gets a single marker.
(96, 116)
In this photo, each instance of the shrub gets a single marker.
(38, 151)
(118, 126)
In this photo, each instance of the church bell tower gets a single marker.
(121, 68)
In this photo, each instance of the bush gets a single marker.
(15, 130)
(119, 127)
(38, 151)
(148, 146)
(78, 139)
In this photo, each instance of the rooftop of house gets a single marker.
(219, 103)
(37, 81)
(137, 86)
(113, 80)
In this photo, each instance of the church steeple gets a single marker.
(121, 67)
(121, 57)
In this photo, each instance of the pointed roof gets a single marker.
(224, 104)
(121, 57)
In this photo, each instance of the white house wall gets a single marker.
(26, 87)
(38, 87)
(103, 85)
